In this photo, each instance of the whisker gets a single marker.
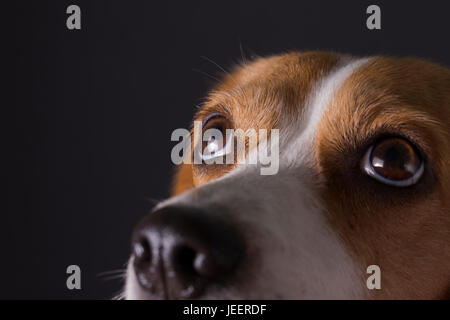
(118, 274)
(216, 64)
(238, 85)
(115, 277)
(153, 201)
(205, 74)
(241, 48)
(119, 296)
(111, 272)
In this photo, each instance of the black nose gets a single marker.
(179, 251)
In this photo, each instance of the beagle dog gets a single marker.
(363, 180)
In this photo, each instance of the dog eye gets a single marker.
(215, 142)
(393, 161)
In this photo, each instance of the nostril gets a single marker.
(142, 251)
(190, 262)
(184, 259)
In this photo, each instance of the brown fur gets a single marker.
(406, 231)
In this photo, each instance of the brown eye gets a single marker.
(214, 137)
(393, 161)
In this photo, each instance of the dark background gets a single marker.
(86, 143)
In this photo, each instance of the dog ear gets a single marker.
(182, 180)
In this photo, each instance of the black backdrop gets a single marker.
(86, 142)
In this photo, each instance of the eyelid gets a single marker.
(416, 141)
(212, 116)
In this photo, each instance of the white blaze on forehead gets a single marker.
(301, 135)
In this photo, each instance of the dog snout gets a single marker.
(179, 251)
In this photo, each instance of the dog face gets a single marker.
(363, 179)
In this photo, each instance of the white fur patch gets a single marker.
(302, 135)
